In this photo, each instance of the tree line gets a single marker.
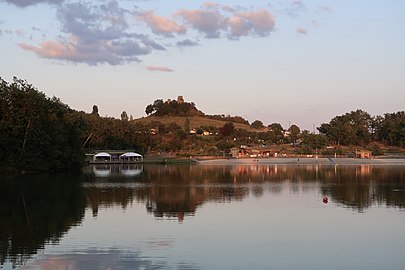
(360, 128)
(41, 133)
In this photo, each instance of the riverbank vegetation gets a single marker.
(38, 133)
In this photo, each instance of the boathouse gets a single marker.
(116, 157)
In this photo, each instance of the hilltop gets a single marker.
(177, 111)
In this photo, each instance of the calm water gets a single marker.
(205, 217)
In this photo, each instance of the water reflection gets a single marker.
(111, 170)
(37, 210)
(177, 191)
(97, 259)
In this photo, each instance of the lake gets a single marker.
(205, 217)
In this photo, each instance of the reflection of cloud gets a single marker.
(95, 259)
(160, 244)
(158, 68)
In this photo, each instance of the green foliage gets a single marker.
(172, 108)
(349, 129)
(294, 132)
(376, 150)
(228, 118)
(37, 132)
(227, 129)
(124, 116)
(390, 129)
(277, 132)
(225, 146)
(95, 110)
(257, 124)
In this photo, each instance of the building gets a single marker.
(363, 154)
(180, 100)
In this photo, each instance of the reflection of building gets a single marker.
(117, 170)
(363, 154)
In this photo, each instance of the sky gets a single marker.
(292, 62)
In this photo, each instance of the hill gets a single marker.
(195, 122)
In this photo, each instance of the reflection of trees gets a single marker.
(39, 209)
(36, 210)
(360, 187)
(177, 191)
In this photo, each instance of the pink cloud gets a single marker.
(159, 68)
(51, 49)
(161, 25)
(301, 30)
(261, 21)
(209, 22)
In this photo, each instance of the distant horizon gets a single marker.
(299, 62)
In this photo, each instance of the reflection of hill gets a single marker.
(177, 191)
(36, 210)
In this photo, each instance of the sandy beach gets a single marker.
(304, 161)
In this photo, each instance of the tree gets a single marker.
(350, 128)
(225, 146)
(227, 129)
(278, 132)
(124, 116)
(149, 109)
(257, 124)
(391, 128)
(294, 132)
(95, 110)
(38, 133)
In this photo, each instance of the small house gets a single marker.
(363, 154)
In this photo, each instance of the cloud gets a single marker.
(103, 32)
(301, 30)
(187, 43)
(325, 8)
(26, 3)
(208, 22)
(159, 68)
(295, 8)
(94, 53)
(95, 34)
(214, 19)
(160, 25)
(259, 22)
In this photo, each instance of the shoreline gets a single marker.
(303, 161)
